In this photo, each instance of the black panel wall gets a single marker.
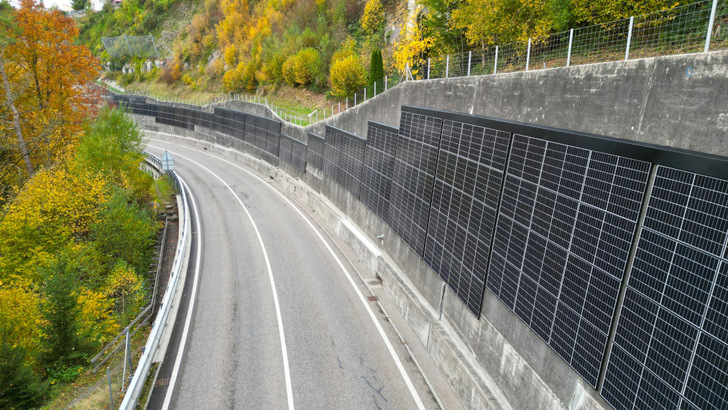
(343, 158)
(316, 149)
(414, 175)
(565, 229)
(376, 179)
(467, 188)
(293, 152)
(671, 343)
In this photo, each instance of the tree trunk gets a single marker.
(10, 103)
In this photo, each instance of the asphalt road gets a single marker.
(323, 345)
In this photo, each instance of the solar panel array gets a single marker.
(671, 343)
(343, 158)
(467, 187)
(293, 152)
(562, 243)
(414, 176)
(552, 217)
(316, 149)
(378, 167)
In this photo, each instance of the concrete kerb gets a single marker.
(474, 388)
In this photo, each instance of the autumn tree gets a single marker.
(373, 18)
(49, 82)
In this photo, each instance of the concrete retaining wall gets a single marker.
(496, 360)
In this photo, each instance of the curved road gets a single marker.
(279, 317)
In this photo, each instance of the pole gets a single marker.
(447, 66)
(528, 54)
(354, 99)
(375, 89)
(495, 64)
(629, 38)
(365, 94)
(111, 393)
(571, 42)
(385, 83)
(470, 58)
(126, 357)
(428, 68)
(710, 26)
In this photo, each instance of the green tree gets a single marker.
(602, 11)
(376, 69)
(437, 24)
(63, 347)
(20, 387)
(79, 4)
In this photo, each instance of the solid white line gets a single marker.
(286, 369)
(363, 300)
(188, 320)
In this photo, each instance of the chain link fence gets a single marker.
(131, 46)
(695, 27)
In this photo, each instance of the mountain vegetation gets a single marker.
(76, 230)
(324, 45)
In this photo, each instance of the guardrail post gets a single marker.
(629, 38)
(495, 64)
(447, 66)
(571, 42)
(710, 26)
(528, 54)
(470, 58)
(428, 68)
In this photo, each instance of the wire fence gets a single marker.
(131, 46)
(700, 26)
(286, 114)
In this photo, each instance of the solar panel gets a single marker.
(415, 165)
(670, 342)
(293, 152)
(378, 167)
(467, 186)
(315, 154)
(344, 155)
(563, 237)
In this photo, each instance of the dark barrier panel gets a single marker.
(316, 148)
(263, 133)
(468, 183)
(414, 175)
(293, 152)
(343, 158)
(378, 167)
(670, 349)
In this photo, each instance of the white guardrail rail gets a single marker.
(159, 326)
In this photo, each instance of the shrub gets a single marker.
(289, 70)
(373, 18)
(306, 65)
(172, 73)
(347, 76)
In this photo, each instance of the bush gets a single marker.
(373, 18)
(347, 76)
(172, 73)
(289, 70)
(307, 65)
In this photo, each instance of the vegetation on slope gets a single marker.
(76, 233)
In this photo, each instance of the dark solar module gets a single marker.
(671, 339)
(567, 218)
(343, 158)
(378, 167)
(315, 154)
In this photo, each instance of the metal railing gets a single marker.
(690, 28)
(158, 328)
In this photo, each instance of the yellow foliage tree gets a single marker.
(347, 76)
(96, 324)
(20, 318)
(372, 20)
(124, 285)
(412, 46)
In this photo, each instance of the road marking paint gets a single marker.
(287, 372)
(362, 298)
(188, 320)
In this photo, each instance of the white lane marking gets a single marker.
(188, 320)
(363, 300)
(289, 387)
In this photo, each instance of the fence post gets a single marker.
(111, 394)
(354, 100)
(375, 89)
(428, 68)
(126, 359)
(347, 104)
(495, 64)
(629, 38)
(528, 54)
(447, 66)
(571, 42)
(385, 83)
(470, 58)
(365, 94)
(710, 26)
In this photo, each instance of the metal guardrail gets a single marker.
(159, 326)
